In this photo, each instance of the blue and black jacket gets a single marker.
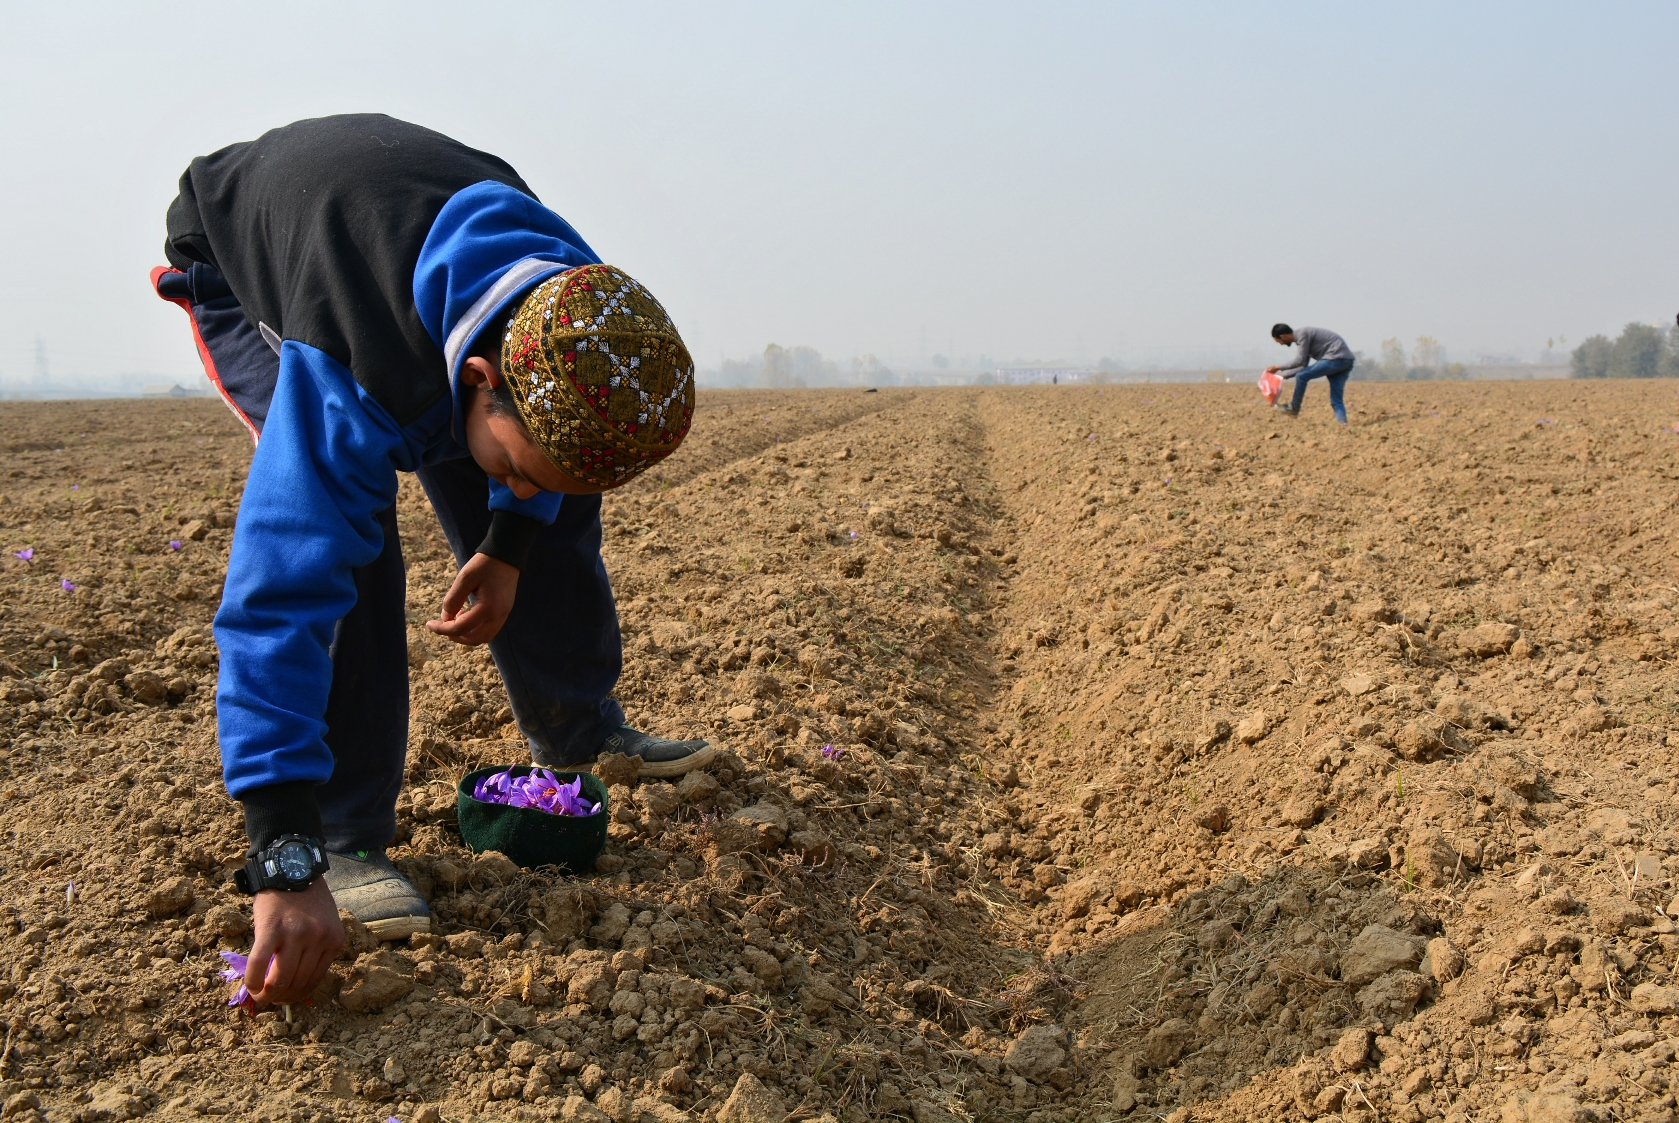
(338, 271)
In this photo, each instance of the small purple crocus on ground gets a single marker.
(236, 967)
(66, 586)
(27, 554)
(854, 534)
(539, 788)
(832, 752)
(174, 543)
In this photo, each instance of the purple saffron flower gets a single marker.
(492, 788)
(854, 534)
(831, 752)
(543, 790)
(539, 788)
(27, 554)
(534, 789)
(66, 586)
(571, 801)
(525, 791)
(236, 966)
(174, 543)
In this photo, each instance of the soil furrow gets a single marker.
(1092, 752)
(738, 424)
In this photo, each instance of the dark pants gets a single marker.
(1337, 372)
(559, 654)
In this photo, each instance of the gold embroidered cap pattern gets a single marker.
(599, 373)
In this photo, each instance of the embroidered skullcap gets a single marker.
(599, 373)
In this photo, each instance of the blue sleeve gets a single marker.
(482, 231)
(544, 506)
(324, 469)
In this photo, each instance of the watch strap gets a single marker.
(262, 870)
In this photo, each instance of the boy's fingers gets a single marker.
(474, 636)
(457, 624)
(478, 626)
(455, 597)
(281, 972)
(483, 633)
(311, 971)
(256, 965)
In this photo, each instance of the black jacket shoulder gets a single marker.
(318, 226)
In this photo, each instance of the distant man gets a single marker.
(1323, 354)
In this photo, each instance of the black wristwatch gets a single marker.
(291, 862)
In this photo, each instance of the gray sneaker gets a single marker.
(1283, 407)
(660, 758)
(369, 887)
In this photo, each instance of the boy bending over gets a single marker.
(371, 297)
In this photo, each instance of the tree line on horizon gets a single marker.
(796, 368)
(1426, 361)
(1640, 351)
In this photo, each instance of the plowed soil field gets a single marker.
(1091, 753)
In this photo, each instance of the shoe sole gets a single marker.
(398, 927)
(665, 769)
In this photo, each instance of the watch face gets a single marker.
(295, 861)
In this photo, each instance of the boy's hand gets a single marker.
(492, 586)
(1272, 370)
(302, 934)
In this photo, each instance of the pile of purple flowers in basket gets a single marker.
(538, 788)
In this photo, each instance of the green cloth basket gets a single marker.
(530, 837)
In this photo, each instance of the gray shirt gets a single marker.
(1316, 345)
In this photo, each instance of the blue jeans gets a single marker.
(1337, 371)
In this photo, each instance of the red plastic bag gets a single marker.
(1271, 385)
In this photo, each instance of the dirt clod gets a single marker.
(170, 897)
(370, 987)
(1376, 951)
(1351, 1050)
(1036, 1053)
(617, 768)
(751, 1102)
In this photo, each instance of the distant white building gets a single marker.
(167, 390)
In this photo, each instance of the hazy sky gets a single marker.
(1035, 180)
